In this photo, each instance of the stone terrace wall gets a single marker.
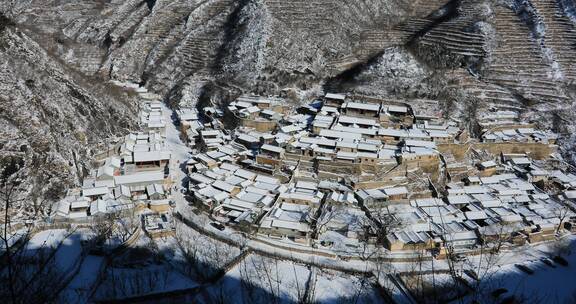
(534, 150)
(260, 126)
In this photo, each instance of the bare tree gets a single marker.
(329, 213)
(300, 290)
(188, 245)
(30, 275)
(219, 293)
(10, 191)
(263, 282)
(126, 226)
(204, 257)
(561, 212)
(103, 227)
(268, 277)
(123, 283)
(247, 287)
(485, 267)
(382, 265)
(385, 222)
(26, 275)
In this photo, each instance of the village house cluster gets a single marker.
(504, 206)
(526, 135)
(130, 178)
(344, 169)
(341, 172)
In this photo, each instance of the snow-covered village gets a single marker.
(278, 152)
(388, 200)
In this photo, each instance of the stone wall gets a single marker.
(508, 127)
(260, 126)
(265, 160)
(534, 150)
(344, 168)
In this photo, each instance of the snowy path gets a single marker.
(47, 239)
(180, 153)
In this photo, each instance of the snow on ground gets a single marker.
(179, 154)
(398, 293)
(69, 252)
(436, 288)
(336, 287)
(67, 245)
(340, 243)
(204, 249)
(52, 257)
(259, 279)
(505, 257)
(547, 285)
(154, 277)
(47, 239)
(209, 255)
(121, 283)
(81, 286)
(13, 238)
(141, 270)
(177, 147)
(569, 8)
(272, 246)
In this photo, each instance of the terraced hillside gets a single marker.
(170, 39)
(347, 33)
(559, 40)
(503, 53)
(128, 40)
(520, 62)
(420, 15)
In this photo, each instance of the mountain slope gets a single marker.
(470, 55)
(52, 118)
